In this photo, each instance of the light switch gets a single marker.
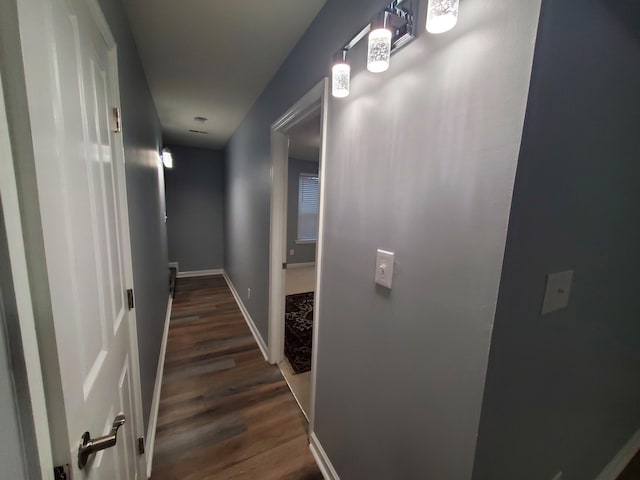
(384, 268)
(556, 295)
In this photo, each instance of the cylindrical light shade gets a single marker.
(442, 15)
(379, 50)
(341, 75)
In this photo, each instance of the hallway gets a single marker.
(224, 411)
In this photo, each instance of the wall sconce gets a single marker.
(379, 48)
(390, 30)
(341, 75)
(442, 15)
(167, 158)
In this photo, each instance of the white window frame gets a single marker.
(303, 241)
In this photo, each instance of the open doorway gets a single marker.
(297, 150)
(303, 195)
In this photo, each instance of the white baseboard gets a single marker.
(155, 402)
(174, 265)
(247, 318)
(324, 464)
(301, 265)
(622, 459)
(200, 273)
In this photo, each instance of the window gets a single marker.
(308, 199)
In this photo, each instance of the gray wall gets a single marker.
(304, 252)
(145, 192)
(562, 390)
(424, 156)
(195, 208)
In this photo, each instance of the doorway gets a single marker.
(296, 235)
(67, 227)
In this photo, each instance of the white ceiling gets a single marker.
(213, 58)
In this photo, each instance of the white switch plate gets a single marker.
(556, 295)
(384, 268)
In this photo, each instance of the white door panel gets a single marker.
(71, 76)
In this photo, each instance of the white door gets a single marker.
(72, 87)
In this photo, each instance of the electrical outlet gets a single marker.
(292, 252)
(248, 293)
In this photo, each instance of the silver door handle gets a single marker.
(88, 446)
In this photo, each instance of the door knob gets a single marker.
(88, 446)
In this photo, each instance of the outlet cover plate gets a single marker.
(556, 295)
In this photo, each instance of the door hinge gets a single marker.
(130, 298)
(61, 473)
(140, 445)
(117, 121)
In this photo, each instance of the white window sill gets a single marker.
(304, 242)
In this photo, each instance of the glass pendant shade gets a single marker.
(341, 76)
(442, 15)
(379, 50)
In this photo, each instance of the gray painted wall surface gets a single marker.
(425, 157)
(562, 392)
(145, 192)
(304, 252)
(195, 208)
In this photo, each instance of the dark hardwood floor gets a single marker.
(224, 412)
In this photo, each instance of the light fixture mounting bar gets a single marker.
(402, 16)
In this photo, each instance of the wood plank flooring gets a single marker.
(224, 412)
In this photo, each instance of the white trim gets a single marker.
(300, 265)
(200, 273)
(324, 464)
(302, 109)
(174, 265)
(155, 402)
(615, 467)
(322, 172)
(247, 318)
(293, 392)
(22, 293)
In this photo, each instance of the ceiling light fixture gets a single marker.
(167, 158)
(341, 75)
(442, 15)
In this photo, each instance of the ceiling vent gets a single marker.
(199, 132)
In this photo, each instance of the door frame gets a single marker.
(20, 207)
(33, 408)
(308, 104)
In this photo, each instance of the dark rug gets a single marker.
(298, 331)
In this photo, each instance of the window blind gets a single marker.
(308, 200)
